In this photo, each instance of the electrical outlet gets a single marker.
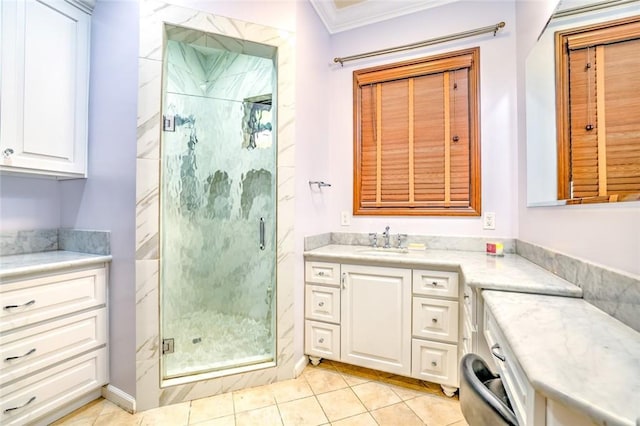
(489, 220)
(345, 218)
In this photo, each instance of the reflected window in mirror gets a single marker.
(598, 112)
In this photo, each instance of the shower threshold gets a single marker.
(197, 377)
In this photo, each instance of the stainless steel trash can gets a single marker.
(483, 399)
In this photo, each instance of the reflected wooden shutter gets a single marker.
(600, 134)
(413, 138)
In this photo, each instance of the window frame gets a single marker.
(411, 69)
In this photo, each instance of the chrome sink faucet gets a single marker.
(386, 237)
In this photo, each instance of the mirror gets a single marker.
(542, 177)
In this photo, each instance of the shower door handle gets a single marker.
(261, 233)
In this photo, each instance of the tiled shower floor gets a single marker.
(329, 394)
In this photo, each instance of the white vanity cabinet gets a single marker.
(398, 320)
(376, 318)
(44, 82)
(53, 343)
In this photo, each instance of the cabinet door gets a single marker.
(376, 318)
(45, 64)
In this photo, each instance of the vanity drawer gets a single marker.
(434, 362)
(435, 283)
(51, 389)
(322, 303)
(322, 273)
(435, 319)
(32, 300)
(43, 345)
(322, 340)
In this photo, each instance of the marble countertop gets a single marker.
(509, 272)
(20, 264)
(573, 353)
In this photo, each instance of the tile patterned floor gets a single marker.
(329, 394)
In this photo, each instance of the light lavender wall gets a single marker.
(29, 203)
(498, 112)
(312, 154)
(106, 200)
(606, 234)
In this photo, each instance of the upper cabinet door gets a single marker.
(45, 76)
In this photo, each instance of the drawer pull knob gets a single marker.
(29, 303)
(321, 273)
(321, 304)
(434, 320)
(11, 358)
(434, 283)
(434, 364)
(8, 410)
(321, 340)
(497, 355)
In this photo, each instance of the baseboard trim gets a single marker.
(300, 365)
(120, 398)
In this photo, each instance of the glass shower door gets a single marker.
(218, 211)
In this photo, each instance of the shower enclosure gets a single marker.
(217, 205)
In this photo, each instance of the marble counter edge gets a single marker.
(570, 290)
(590, 408)
(84, 260)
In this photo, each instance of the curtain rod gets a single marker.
(490, 29)
(590, 7)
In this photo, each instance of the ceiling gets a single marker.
(342, 15)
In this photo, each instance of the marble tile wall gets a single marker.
(614, 292)
(35, 241)
(159, 20)
(31, 241)
(430, 241)
(84, 241)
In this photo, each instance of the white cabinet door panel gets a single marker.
(435, 319)
(322, 303)
(435, 362)
(322, 340)
(52, 388)
(376, 318)
(45, 75)
(30, 301)
(33, 348)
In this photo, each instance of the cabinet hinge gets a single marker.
(167, 346)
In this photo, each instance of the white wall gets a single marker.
(29, 203)
(106, 200)
(607, 234)
(498, 112)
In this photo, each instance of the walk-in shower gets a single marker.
(217, 205)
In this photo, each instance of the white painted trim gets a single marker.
(120, 398)
(300, 365)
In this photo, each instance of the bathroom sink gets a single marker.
(379, 251)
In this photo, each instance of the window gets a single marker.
(416, 137)
(598, 80)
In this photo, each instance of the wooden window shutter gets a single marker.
(416, 148)
(599, 135)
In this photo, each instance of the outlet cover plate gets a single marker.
(345, 218)
(489, 221)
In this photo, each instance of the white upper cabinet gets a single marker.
(44, 87)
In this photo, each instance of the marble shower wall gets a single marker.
(157, 19)
(614, 292)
